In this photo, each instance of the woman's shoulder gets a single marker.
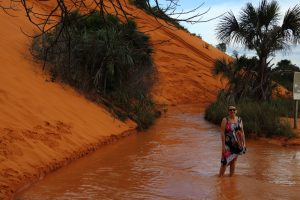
(225, 119)
(224, 122)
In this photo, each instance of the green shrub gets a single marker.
(283, 73)
(140, 4)
(259, 118)
(216, 111)
(155, 11)
(100, 56)
(144, 119)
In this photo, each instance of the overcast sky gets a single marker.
(217, 7)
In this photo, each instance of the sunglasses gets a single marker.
(232, 109)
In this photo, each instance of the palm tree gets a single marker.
(258, 29)
(241, 74)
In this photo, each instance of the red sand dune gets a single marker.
(184, 63)
(44, 125)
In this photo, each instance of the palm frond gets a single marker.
(221, 66)
(249, 17)
(229, 29)
(272, 14)
(291, 25)
(268, 14)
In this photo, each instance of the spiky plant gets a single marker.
(258, 29)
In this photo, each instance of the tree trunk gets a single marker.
(262, 78)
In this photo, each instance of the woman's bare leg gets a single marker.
(232, 167)
(222, 170)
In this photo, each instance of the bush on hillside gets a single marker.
(283, 73)
(140, 4)
(222, 46)
(109, 61)
(156, 12)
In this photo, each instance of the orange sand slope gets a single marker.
(44, 125)
(184, 63)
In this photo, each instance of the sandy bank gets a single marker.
(287, 141)
(282, 141)
(43, 125)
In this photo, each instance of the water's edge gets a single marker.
(69, 159)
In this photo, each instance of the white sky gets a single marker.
(217, 7)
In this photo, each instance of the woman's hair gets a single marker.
(231, 107)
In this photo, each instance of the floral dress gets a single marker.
(232, 146)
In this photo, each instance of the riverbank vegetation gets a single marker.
(105, 59)
(251, 80)
(283, 73)
(268, 118)
(262, 117)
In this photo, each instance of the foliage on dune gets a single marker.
(109, 61)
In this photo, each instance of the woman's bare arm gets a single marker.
(243, 133)
(223, 125)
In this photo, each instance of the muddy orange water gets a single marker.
(178, 158)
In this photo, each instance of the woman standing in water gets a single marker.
(233, 140)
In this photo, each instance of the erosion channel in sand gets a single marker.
(178, 158)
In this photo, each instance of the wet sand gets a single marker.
(178, 158)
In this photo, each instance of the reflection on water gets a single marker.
(178, 158)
